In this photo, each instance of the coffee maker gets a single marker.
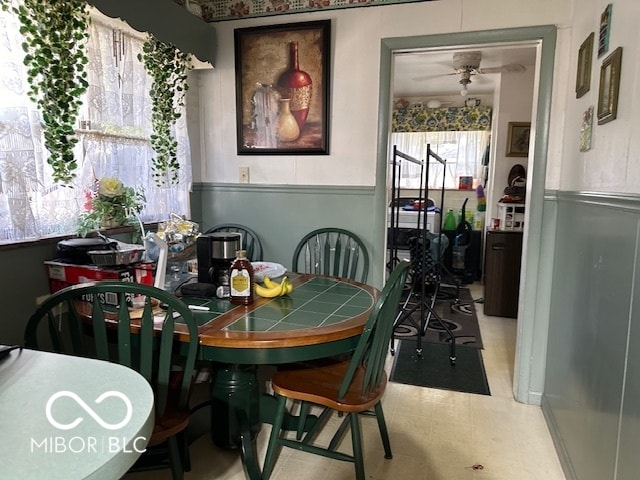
(216, 252)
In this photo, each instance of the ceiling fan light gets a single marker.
(464, 91)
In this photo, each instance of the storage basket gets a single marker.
(511, 216)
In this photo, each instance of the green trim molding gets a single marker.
(419, 118)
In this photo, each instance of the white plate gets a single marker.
(269, 269)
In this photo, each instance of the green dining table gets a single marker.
(66, 417)
(322, 317)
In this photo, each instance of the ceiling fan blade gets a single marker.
(510, 68)
(422, 78)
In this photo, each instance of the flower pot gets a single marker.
(110, 223)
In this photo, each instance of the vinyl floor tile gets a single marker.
(435, 434)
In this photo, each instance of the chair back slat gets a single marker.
(334, 252)
(371, 351)
(124, 332)
(250, 239)
(145, 342)
(96, 328)
(99, 331)
(75, 328)
(336, 269)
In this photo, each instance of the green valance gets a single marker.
(423, 119)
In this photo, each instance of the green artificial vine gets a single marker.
(55, 34)
(168, 67)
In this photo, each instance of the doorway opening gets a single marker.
(542, 39)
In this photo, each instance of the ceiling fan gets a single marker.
(467, 64)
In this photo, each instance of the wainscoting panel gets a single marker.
(282, 214)
(592, 383)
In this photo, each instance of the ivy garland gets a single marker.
(168, 67)
(55, 34)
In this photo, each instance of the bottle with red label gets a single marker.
(241, 280)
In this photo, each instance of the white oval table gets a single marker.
(64, 417)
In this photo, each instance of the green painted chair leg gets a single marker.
(185, 458)
(384, 434)
(356, 438)
(177, 472)
(304, 413)
(274, 446)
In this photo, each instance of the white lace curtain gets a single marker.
(114, 129)
(463, 152)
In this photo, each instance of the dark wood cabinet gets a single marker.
(503, 253)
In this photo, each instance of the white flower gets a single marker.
(110, 187)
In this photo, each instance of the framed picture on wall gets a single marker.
(282, 88)
(609, 87)
(583, 75)
(518, 139)
(605, 30)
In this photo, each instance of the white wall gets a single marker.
(612, 164)
(514, 104)
(354, 88)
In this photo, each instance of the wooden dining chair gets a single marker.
(335, 252)
(350, 387)
(98, 320)
(250, 239)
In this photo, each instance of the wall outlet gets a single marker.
(243, 175)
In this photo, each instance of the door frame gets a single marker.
(533, 309)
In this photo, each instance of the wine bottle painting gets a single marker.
(282, 88)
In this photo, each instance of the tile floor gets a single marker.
(435, 434)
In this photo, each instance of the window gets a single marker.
(114, 129)
(463, 152)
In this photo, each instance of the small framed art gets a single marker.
(605, 30)
(586, 129)
(609, 87)
(518, 139)
(583, 75)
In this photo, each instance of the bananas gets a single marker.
(273, 289)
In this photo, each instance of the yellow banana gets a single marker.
(272, 289)
(269, 292)
(288, 286)
(268, 282)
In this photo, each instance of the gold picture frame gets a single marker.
(583, 74)
(518, 139)
(609, 87)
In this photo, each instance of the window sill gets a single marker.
(57, 238)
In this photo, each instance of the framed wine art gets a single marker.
(282, 88)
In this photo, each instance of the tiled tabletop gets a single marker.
(318, 306)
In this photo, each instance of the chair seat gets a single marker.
(172, 422)
(318, 382)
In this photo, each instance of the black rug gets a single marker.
(460, 317)
(433, 369)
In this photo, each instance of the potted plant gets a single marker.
(168, 68)
(55, 34)
(110, 204)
